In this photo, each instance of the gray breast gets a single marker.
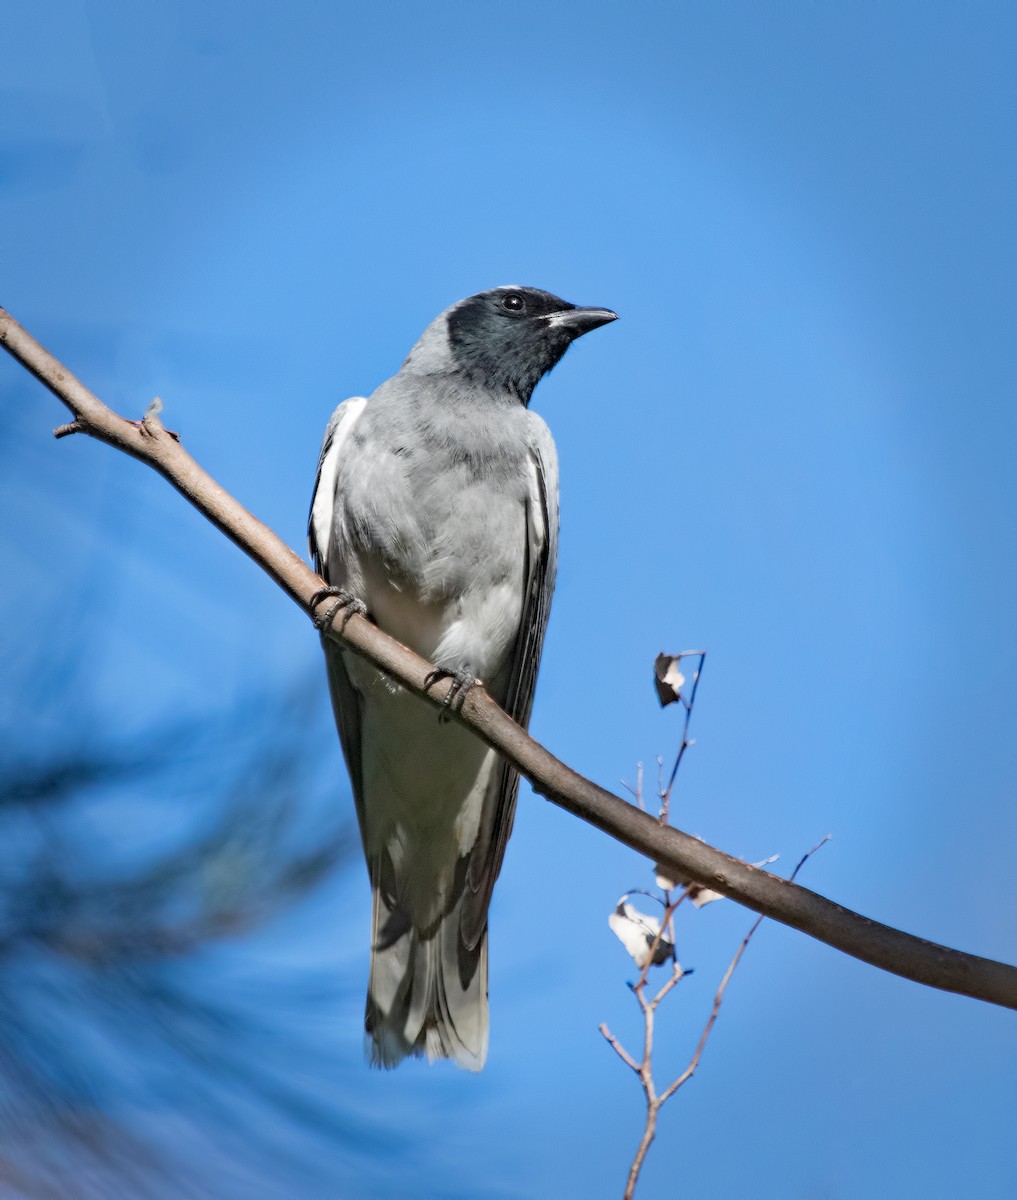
(434, 490)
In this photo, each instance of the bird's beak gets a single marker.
(577, 321)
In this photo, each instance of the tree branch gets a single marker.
(685, 856)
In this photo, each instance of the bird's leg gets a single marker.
(343, 599)
(462, 680)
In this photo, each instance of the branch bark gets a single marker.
(683, 856)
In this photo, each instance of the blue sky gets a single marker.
(796, 448)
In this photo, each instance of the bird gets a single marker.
(435, 514)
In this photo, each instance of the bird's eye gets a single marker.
(513, 302)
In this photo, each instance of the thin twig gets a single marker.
(719, 997)
(637, 791)
(884, 947)
(619, 1049)
(644, 1070)
(688, 704)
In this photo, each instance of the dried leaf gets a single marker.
(637, 932)
(696, 892)
(665, 879)
(702, 895)
(667, 678)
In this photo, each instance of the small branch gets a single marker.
(645, 1142)
(808, 854)
(718, 999)
(619, 1049)
(644, 1070)
(688, 704)
(637, 791)
(884, 947)
(676, 976)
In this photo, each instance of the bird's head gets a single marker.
(507, 338)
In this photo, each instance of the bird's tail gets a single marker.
(427, 992)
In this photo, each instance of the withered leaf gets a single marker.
(667, 678)
(637, 931)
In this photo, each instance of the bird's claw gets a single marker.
(343, 600)
(462, 681)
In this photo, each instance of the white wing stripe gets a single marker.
(323, 504)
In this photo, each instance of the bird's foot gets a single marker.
(462, 681)
(343, 600)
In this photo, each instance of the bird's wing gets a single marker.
(325, 513)
(524, 659)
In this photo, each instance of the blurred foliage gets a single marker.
(165, 1011)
